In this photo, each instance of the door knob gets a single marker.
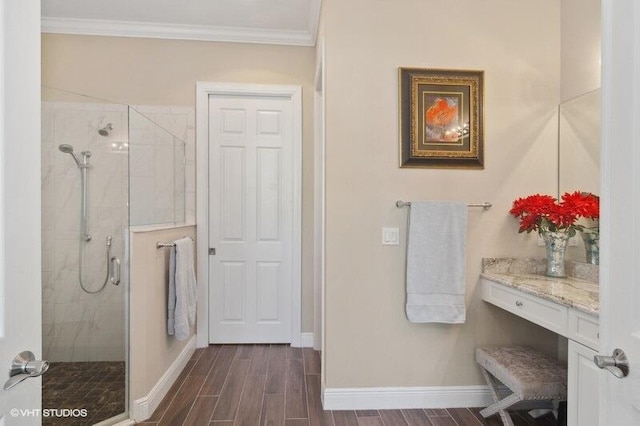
(617, 364)
(23, 366)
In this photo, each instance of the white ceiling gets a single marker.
(292, 22)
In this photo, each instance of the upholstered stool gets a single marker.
(529, 374)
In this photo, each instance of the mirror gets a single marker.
(579, 144)
(579, 111)
(579, 161)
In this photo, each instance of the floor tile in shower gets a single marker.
(97, 387)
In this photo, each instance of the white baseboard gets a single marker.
(409, 397)
(144, 407)
(306, 340)
(120, 420)
(128, 422)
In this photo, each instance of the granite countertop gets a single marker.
(527, 275)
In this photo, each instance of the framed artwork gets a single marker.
(441, 118)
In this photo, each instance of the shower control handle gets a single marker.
(115, 270)
(23, 366)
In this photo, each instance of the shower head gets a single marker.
(106, 130)
(68, 149)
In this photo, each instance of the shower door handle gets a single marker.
(115, 270)
(23, 366)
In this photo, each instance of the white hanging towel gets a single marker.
(436, 261)
(182, 289)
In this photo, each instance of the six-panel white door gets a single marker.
(250, 219)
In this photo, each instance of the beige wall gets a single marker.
(164, 72)
(369, 341)
(152, 350)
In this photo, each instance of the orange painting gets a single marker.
(441, 119)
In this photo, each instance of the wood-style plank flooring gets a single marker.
(276, 385)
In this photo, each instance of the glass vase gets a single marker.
(556, 246)
(591, 239)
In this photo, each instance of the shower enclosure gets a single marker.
(101, 163)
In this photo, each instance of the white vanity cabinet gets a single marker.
(582, 398)
(566, 317)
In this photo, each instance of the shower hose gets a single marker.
(81, 266)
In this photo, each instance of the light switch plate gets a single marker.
(390, 236)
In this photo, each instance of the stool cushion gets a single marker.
(527, 372)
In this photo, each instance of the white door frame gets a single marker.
(203, 91)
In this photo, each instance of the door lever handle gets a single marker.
(617, 364)
(23, 366)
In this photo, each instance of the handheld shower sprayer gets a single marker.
(68, 149)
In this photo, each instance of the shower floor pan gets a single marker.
(97, 387)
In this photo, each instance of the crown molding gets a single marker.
(315, 7)
(183, 32)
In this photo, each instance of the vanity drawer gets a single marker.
(549, 315)
(584, 328)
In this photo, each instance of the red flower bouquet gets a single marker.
(547, 214)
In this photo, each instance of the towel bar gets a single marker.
(160, 245)
(486, 205)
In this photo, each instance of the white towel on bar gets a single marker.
(182, 289)
(436, 260)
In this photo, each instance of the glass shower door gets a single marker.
(84, 223)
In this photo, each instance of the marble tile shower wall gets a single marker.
(79, 326)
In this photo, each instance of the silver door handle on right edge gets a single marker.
(617, 364)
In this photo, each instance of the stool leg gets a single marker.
(492, 385)
(499, 406)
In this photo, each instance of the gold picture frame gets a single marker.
(441, 118)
